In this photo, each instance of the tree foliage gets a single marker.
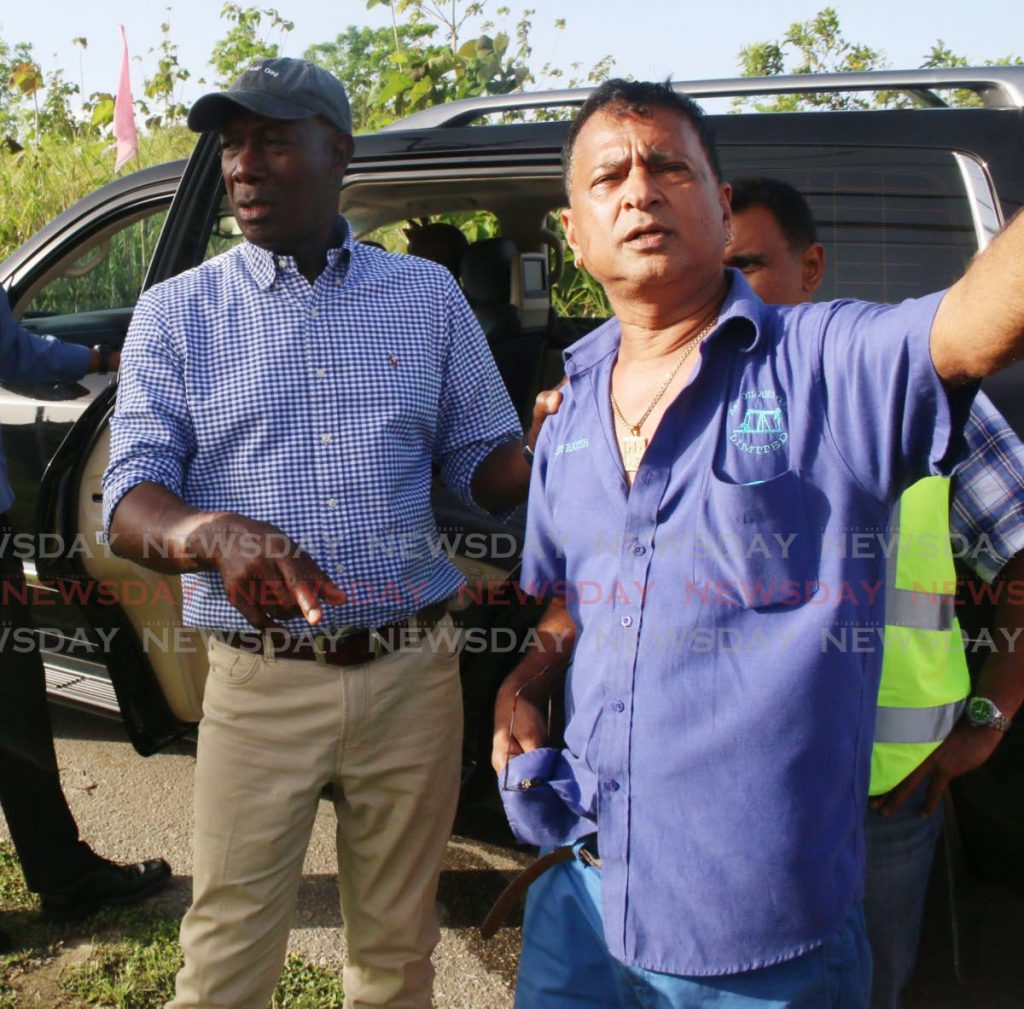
(357, 56)
(451, 66)
(248, 38)
(162, 87)
(818, 46)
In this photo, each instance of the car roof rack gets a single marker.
(998, 87)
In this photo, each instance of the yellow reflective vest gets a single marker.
(924, 670)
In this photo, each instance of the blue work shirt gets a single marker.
(27, 357)
(320, 408)
(721, 699)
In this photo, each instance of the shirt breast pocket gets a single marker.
(760, 543)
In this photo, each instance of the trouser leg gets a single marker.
(396, 791)
(564, 961)
(900, 850)
(266, 744)
(44, 832)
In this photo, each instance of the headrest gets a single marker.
(439, 242)
(487, 270)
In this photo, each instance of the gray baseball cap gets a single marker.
(282, 88)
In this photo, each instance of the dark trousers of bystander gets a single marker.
(43, 829)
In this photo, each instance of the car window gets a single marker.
(896, 223)
(104, 272)
(225, 233)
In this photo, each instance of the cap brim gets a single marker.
(211, 111)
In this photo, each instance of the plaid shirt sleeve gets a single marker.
(986, 515)
(151, 434)
(476, 414)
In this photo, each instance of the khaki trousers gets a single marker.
(386, 736)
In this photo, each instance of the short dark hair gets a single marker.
(784, 202)
(638, 98)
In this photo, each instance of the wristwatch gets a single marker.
(527, 452)
(983, 713)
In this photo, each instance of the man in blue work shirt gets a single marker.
(723, 688)
(68, 875)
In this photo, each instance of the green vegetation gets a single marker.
(130, 958)
(818, 46)
(41, 180)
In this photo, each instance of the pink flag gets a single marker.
(124, 112)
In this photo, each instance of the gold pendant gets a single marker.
(633, 448)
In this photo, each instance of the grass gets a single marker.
(123, 958)
(40, 181)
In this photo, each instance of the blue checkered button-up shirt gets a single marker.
(986, 514)
(319, 408)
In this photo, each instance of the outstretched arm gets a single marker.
(979, 326)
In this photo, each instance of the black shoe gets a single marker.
(107, 884)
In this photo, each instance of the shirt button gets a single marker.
(313, 313)
(639, 549)
(626, 621)
(332, 502)
(611, 786)
(618, 706)
(325, 438)
(320, 372)
(282, 262)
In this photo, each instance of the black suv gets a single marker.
(903, 197)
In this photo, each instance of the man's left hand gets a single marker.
(967, 747)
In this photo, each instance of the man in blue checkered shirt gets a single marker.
(280, 410)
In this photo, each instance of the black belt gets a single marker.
(350, 648)
(514, 892)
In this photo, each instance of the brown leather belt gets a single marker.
(516, 890)
(339, 648)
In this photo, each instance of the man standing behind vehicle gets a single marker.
(68, 875)
(296, 391)
(926, 733)
(727, 786)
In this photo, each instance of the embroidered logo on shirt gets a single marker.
(572, 446)
(392, 360)
(760, 419)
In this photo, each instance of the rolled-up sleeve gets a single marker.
(151, 433)
(889, 415)
(476, 414)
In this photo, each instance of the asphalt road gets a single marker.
(129, 807)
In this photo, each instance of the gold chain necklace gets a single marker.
(634, 444)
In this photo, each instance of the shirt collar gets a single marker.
(265, 266)
(743, 317)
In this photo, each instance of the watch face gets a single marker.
(981, 710)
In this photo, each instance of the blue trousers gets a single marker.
(900, 850)
(565, 963)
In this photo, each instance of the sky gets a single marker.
(649, 39)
